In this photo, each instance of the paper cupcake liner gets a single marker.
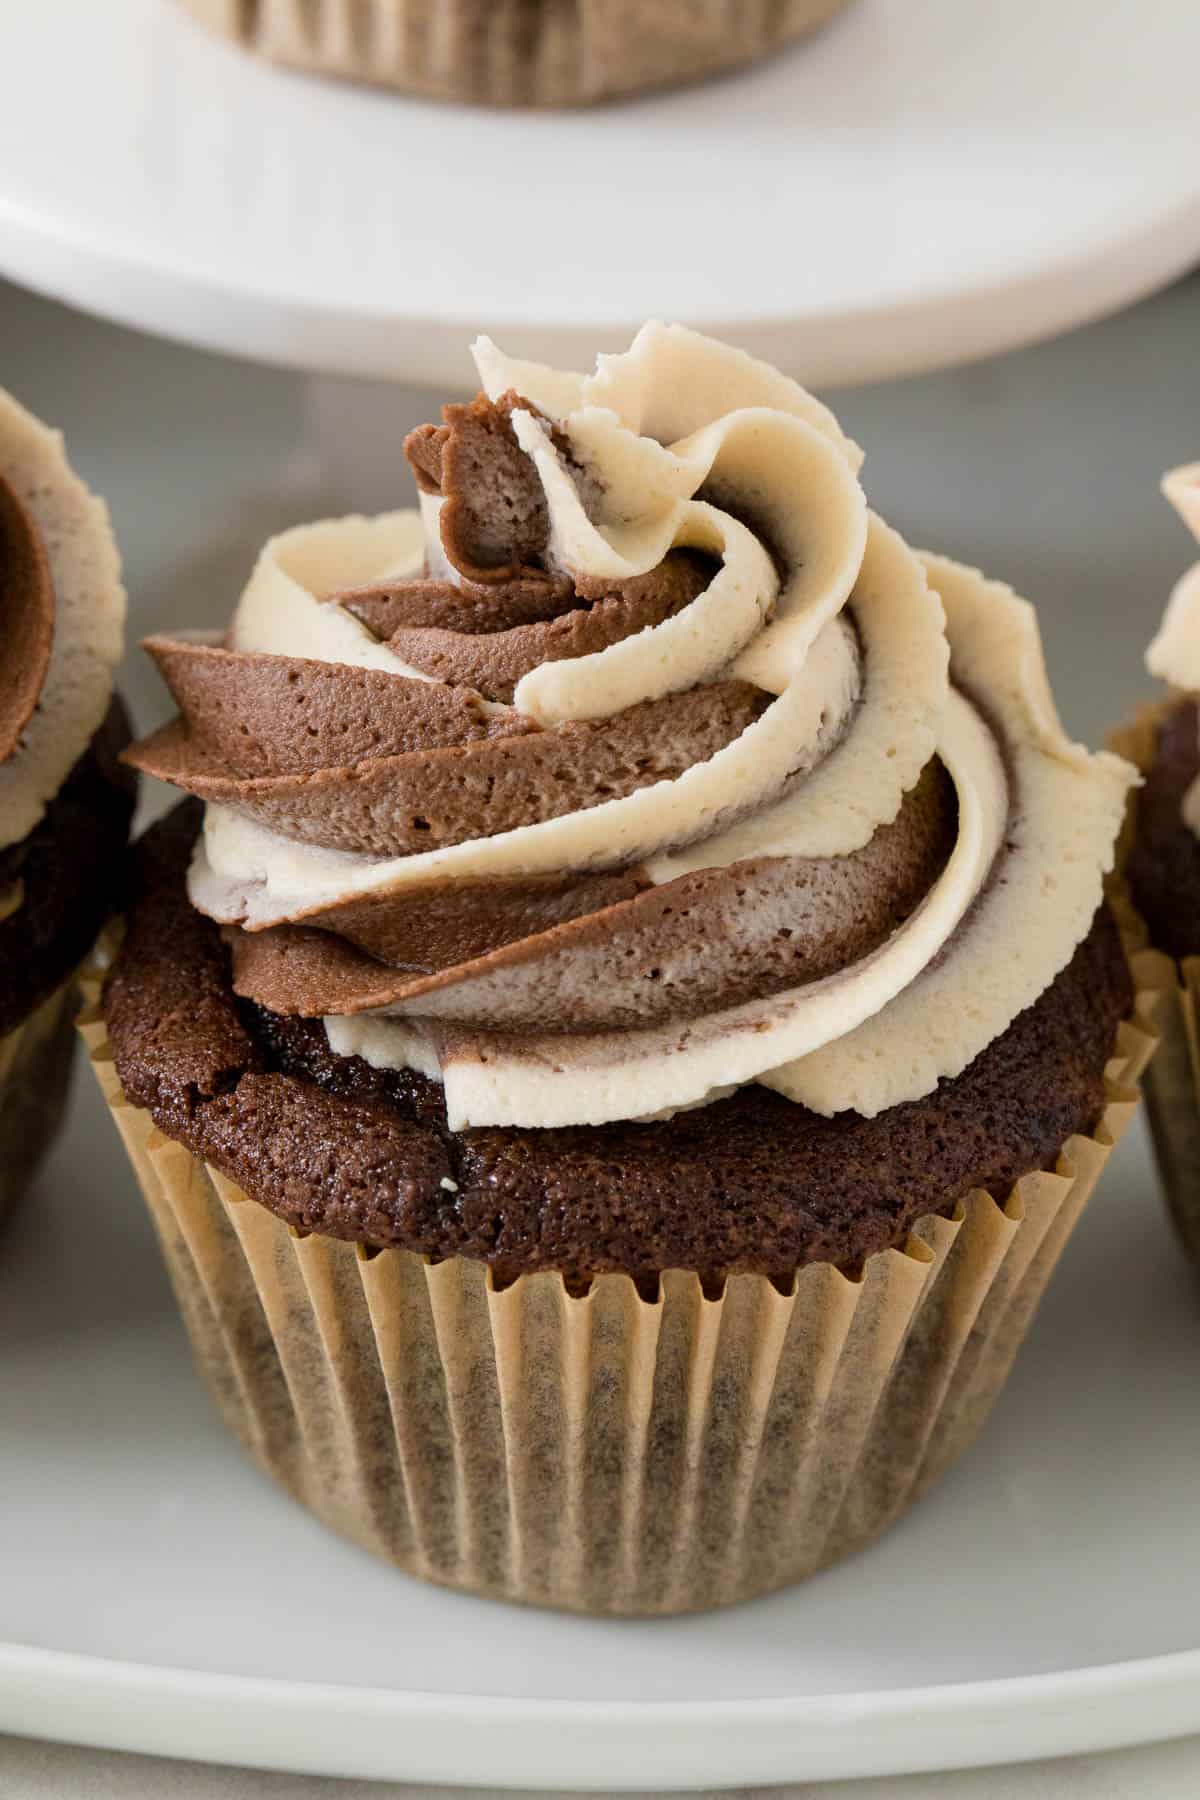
(514, 52)
(1172, 1083)
(605, 1453)
(35, 1071)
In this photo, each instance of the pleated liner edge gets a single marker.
(606, 1454)
(514, 52)
(1172, 1083)
(36, 1057)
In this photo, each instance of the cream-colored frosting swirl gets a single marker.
(872, 666)
(1174, 654)
(71, 526)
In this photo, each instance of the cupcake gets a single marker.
(65, 801)
(1162, 876)
(514, 52)
(626, 1018)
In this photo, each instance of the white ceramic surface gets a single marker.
(925, 182)
(156, 1593)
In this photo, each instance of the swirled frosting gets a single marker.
(62, 611)
(1174, 655)
(643, 762)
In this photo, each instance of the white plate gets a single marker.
(157, 1594)
(926, 181)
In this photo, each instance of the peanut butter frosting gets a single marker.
(641, 762)
(62, 610)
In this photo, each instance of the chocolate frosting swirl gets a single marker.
(645, 763)
(62, 610)
(26, 617)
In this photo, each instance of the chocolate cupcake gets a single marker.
(623, 1026)
(514, 52)
(1161, 864)
(65, 801)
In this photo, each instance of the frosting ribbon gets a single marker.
(640, 762)
(1174, 654)
(62, 612)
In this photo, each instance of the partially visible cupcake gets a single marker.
(515, 52)
(1162, 869)
(624, 1025)
(65, 799)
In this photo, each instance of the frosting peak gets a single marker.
(1182, 488)
(1174, 654)
(643, 762)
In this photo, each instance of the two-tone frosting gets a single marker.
(62, 612)
(643, 762)
(1174, 655)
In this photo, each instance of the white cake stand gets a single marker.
(926, 182)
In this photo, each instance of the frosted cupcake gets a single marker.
(1163, 875)
(65, 802)
(514, 52)
(623, 1027)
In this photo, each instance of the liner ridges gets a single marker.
(514, 52)
(608, 1453)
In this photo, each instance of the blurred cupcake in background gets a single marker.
(65, 799)
(622, 1029)
(515, 52)
(1162, 869)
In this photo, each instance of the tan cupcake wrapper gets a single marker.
(514, 52)
(1172, 1084)
(605, 1453)
(35, 1070)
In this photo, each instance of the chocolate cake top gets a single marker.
(750, 1182)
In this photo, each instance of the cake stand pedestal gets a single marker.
(924, 182)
